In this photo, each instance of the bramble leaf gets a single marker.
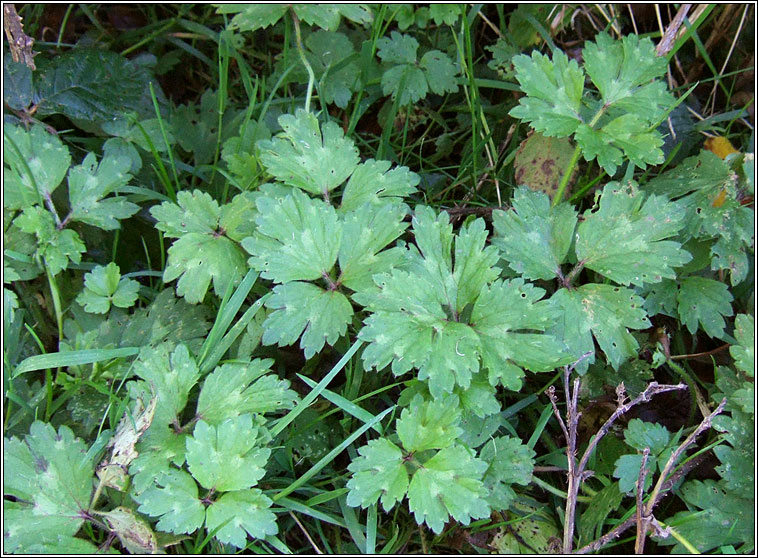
(604, 311)
(51, 475)
(315, 159)
(379, 473)
(88, 185)
(105, 286)
(233, 389)
(705, 301)
(533, 237)
(241, 513)
(449, 484)
(226, 457)
(623, 238)
(553, 93)
(429, 424)
(43, 154)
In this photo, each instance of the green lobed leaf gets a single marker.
(428, 425)
(553, 93)
(88, 185)
(193, 212)
(226, 457)
(449, 484)
(641, 435)
(55, 246)
(624, 238)
(744, 352)
(378, 472)
(319, 315)
(326, 50)
(39, 151)
(298, 238)
(605, 311)
(104, 286)
(233, 389)
(51, 475)
(627, 471)
(173, 498)
(399, 48)
(704, 301)
(440, 72)
(510, 462)
(373, 182)
(239, 514)
(533, 237)
(314, 158)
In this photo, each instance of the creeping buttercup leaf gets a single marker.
(36, 163)
(378, 473)
(624, 238)
(233, 389)
(326, 49)
(641, 435)
(605, 311)
(314, 158)
(533, 237)
(239, 514)
(203, 251)
(704, 301)
(50, 474)
(226, 457)
(88, 185)
(553, 93)
(449, 484)
(744, 352)
(510, 462)
(173, 497)
(429, 424)
(104, 286)
(298, 238)
(55, 246)
(373, 182)
(304, 309)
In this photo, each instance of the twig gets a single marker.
(642, 520)
(305, 532)
(669, 37)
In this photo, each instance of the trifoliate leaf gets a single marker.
(365, 233)
(449, 484)
(553, 93)
(55, 246)
(744, 353)
(226, 457)
(506, 316)
(429, 424)
(36, 151)
(241, 513)
(534, 237)
(298, 238)
(50, 474)
(104, 286)
(705, 301)
(623, 239)
(510, 462)
(174, 499)
(604, 311)
(170, 376)
(373, 182)
(319, 315)
(315, 159)
(233, 389)
(88, 185)
(202, 252)
(379, 473)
